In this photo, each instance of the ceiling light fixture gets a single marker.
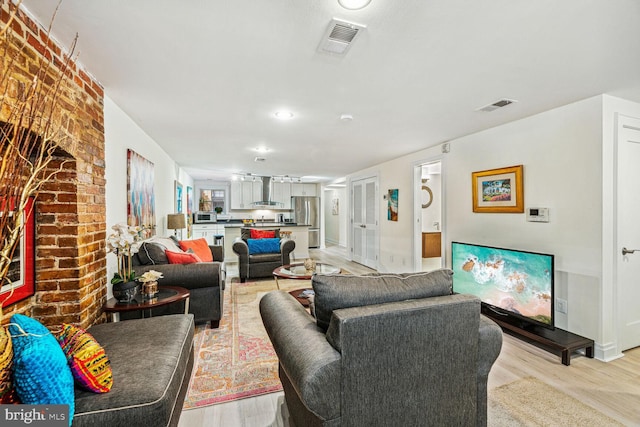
(284, 115)
(354, 4)
(262, 149)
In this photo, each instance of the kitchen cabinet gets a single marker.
(304, 189)
(230, 235)
(244, 193)
(431, 245)
(207, 231)
(301, 236)
(281, 193)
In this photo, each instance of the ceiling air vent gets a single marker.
(498, 104)
(339, 36)
(260, 159)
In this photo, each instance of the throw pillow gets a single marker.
(40, 371)
(7, 391)
(152, 254)
(263, 246)
(87, 359)
(200, 247)
(182, 257)
(166, 243)
(335, 291)
(262, 234)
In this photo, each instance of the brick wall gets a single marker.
(70, 231)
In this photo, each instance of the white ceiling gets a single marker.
(204, 77)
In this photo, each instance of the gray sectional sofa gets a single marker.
(384, 350)
(151, 361)
(204, 280)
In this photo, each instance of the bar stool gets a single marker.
(218, 239)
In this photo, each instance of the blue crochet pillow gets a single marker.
(41, 374)
(263, 246)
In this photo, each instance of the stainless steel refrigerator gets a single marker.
(306, 210)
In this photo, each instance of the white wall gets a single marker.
(561, 153)
(121, 133)
(335, 225)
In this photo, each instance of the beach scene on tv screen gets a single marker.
(520, 282)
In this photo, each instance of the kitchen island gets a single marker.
(299, 233)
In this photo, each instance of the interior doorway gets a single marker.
(364, 221)
(428, 241)
(628, 232)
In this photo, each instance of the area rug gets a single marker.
(531, 402)
(236, 360)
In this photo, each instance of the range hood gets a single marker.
(266, 195)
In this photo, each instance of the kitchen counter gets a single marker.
(261, 224)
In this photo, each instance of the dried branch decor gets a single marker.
(30, 134)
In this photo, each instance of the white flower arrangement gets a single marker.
(124, 242)
(150, 276)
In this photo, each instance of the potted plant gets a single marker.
(218, 210)
(124, 242)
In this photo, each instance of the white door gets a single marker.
(628, 212)
(364, 222)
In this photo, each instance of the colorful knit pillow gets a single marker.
(40, 372)
(200, 247)
(7, 391)
(87, 359)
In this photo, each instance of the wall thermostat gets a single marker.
(538, 214)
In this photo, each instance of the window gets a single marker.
(211, 199)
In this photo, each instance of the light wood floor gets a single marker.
(612, 388)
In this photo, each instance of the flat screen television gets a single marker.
(510, 283)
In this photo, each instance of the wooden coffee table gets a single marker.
(297, 271)
(166, 295)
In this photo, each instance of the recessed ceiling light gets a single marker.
(262, 149)
(354, 4)
(284, 115)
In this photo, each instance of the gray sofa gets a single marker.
(151, 361)
(384, 350)
(260, 265)
(204, 280)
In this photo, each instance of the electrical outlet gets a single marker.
(561, 305)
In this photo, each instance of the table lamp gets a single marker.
(176, 222)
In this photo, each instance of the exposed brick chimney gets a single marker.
(71, 213)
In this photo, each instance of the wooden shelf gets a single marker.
(552, 340)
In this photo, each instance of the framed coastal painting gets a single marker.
(498, 190)
(141, 202)
(21, 274)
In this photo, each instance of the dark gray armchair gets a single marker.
(260, 265)
(385, 350)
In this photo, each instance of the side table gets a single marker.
(166, 295)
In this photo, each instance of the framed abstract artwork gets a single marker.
(141, 202)
(178, 197)
(21, 272)
(392, 205)
(498, 190)
(189, 210)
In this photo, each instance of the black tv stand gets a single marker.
(552, 340)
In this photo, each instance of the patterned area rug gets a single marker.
(531, 402)
(236, 360)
